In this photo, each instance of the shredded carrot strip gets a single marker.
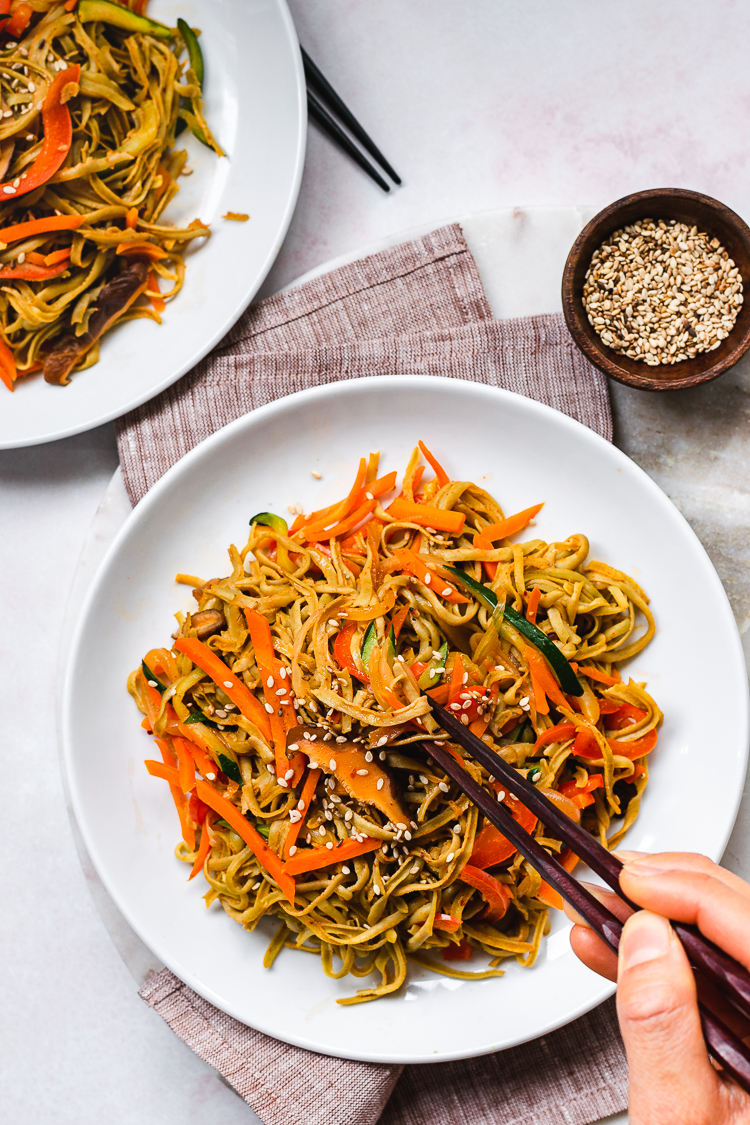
(457, 676)
(440, 472)
(270, 671)
(205, 845)
(311, 859)
(260, 849)
(203, 761)
(170, 774)
(415, 564)
(308, 792)
(512, 524)
(131, 219)
(533, 605)
(426, 516)
(207, 660)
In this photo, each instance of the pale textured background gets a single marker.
(479, 105)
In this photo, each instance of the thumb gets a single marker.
(671, 1078)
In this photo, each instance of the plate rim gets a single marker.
(238, 309)
(140, 512)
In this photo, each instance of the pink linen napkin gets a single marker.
(416, 309)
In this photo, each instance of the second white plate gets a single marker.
(523, 452)
(255, 102)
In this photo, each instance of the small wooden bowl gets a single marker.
(665, 203)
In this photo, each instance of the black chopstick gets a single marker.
(723, 1044)
(325, 90)
(731, 977)
(319, 113)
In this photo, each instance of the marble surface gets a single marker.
(498, 103)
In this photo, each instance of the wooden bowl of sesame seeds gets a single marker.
(660, 306)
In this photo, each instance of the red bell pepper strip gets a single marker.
(625, 716)
(635, 749)
(438, 469)
(440, 694)
(342, 650)
(205, 845)
(496, 894)
(490, 846)
(312, 859)
(460, 952)
(308, 792)
(581, 795)
(19, 21)
(29, 271)
(58, 134)
(468, 700)
(445, 921)
(457, 676)
(260, 849)
(207, 660)
(397, 623)
(198, 811)
(270, 673)
(425, 515)
(586, 745)
(533, 605)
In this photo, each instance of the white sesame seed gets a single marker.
(281, 691)
(465, 680)
(345, 871)
(9, 190)
(293, 746)
(382, 755)
(362, 773)
(341, 738)
(329, 845)
(282, 782)
(269, 681)
(415, 869)
(348, 814)
(427, 579)
(295, 816)
(332, 764)
(321, 831)
(501, 795)
(443, 787)
(311, 736)
(407, 834)
(465, 720)
(268, 708)
(313, 765)
(288, 774)
(256, 885)
(301, 805)
(369, 496)
(449, 858)
(382, 741)
(315, 473)
(210, 777)
(400, 826)
(377, 889)
(446, 593)
(293, 849)
(32, 87)
(368, 756)
(454, 706)
(282, 673)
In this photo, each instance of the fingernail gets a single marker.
(647, 866)
(645, 937)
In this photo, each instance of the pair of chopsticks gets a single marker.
(319, 90)
(729, 976)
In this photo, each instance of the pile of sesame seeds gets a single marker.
(660, 291)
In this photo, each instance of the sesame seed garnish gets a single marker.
(281, 691)
(362, 773)
(465, 720)
(345, 871)
(341, 738)
(268, 708)
(369, 496)
(427, 579)
(443, 787)
(315, 473)
(368, 756)
(321, 831)
(332, 764)
(348, 814)
(288, 774)
(382, 755)
(465, 680)
(293, 746)
(210, 777)
(282, 782)
(501, 795)
(269, 681)
(450, 857)
(446, 592)
(377, 889)
(257, 885)
(400, 826)
(313, 765)
(151, 683)
(293, 849)
(380, 783)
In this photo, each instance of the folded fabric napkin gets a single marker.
(416, 309)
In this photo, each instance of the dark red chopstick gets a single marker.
(729, 976)
(723, 1044)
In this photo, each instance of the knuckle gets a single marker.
(653, 1007)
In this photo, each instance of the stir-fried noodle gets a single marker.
(299, 690)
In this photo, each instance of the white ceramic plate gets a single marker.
(255, 103)
(521, 451)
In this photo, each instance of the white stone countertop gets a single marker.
(479, 106)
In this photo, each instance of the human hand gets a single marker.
(672, 1081)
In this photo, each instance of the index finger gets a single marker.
(687, 861)
(694, 891)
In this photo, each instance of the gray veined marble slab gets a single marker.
(692, 443)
